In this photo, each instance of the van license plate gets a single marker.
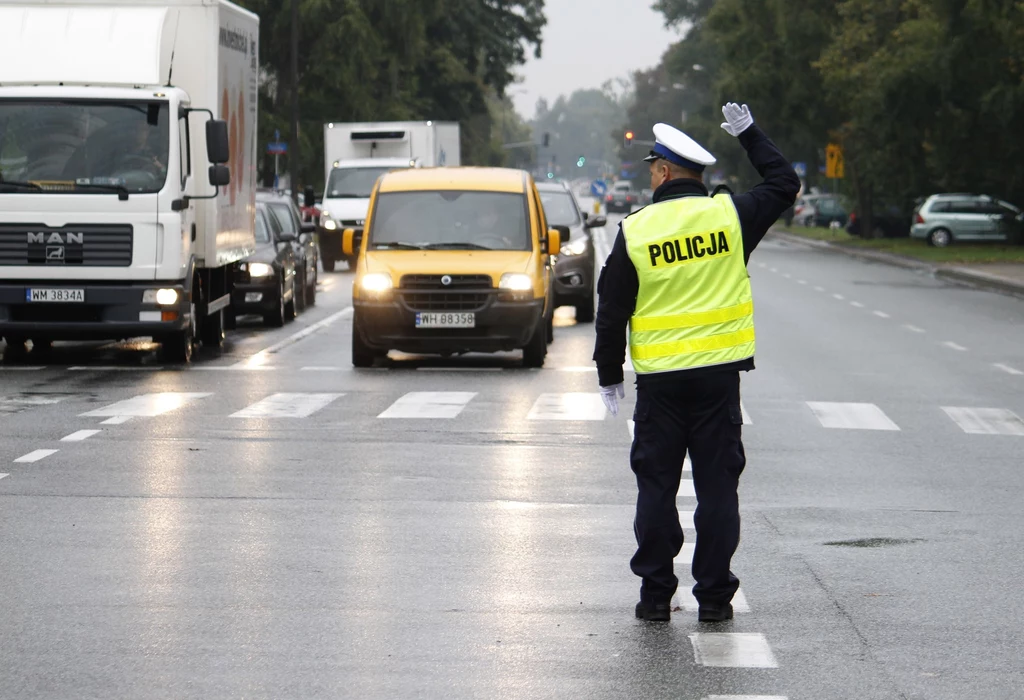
(55, 296)
(442, 320)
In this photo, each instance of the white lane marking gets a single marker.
(686, 489)
(20, 369)
(571, 406)
(116, 420)
(739, 602)
(1008, 369)
(79, 436)
(745, 697)
(986, 421)
(578, 370)
(856, 305)
(913, 329)
(774, 269)
(761, 264)
(881, 314)
(34, 456)
(819, 289)
(686, 519)
(285, 405)
(148, 405)
(732, 650)
(687, 464)
(429, 404)
(954, 346)
(840, 297)
(787, 276)
(460, 369)
(685, 557)
(801, 281)
(261, 357)
(746, 416)
(113, 368)
(232, 368)
(3, 475)
(323, 369)
(851, 416)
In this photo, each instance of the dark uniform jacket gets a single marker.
(618, 285)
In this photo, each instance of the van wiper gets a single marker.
(19, 185)
(398, 245)
(457, 246)
(122, 192)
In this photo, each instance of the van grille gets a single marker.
(462, 293)
(86, 245)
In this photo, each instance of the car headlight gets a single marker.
(163, 297)
(260, 270)
(577, 247)
(376, 282)
(516, 282)
(329, 223)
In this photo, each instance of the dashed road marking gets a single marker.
(732, 650)
(819, 289)
(851, 416)
(840, 297)
(20, 369)
(148, 405)
(79, 436)
(801, 281)
(774, 269)
(3, 475)
(429, 404)
(986, 421)
(954, 346)
(263, 356)
(787, 276)
(912, 328)
(285, 405)
(35, 456)
(856, 304)
(881, 314)
(571, 406)
(1008, 369)
(745, 697)
(116, 420)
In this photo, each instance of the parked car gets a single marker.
(621, 198)
(307, 253)
(574, 268)
(819, 210)
(266, 282)
(888, 222)
(945, 218)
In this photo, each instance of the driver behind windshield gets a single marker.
(142, 153)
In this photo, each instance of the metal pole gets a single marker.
(295, 159)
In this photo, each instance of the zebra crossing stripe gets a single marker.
(429, 404)
(739, 602)
(285, 405)
(35, 456)
(745, 697)
(732, 650)
(148, 405)
(986, 421)
(570, 406)
(851, 416)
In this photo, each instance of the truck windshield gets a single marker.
(86, 147)
(353, 183)
(450, 219)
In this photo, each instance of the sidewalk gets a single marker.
(1002, 277)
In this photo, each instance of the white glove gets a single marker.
(611, 395)
(737, 119)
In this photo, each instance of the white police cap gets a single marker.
(676, 147)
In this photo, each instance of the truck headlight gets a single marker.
(260, 270)
(577, 247)
(376, 282)
(516, 282)
(163, 297)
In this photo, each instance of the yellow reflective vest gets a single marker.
(694, 307)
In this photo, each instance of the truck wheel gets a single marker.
(585, 309)
(289, 308)
(362, 354)
(177, 348)
(328, 262)
(537, 349)
(211, 331)
(230, 319)
(15, 350)
(275, 318)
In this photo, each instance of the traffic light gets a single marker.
(627, 139)
(547, 139)
(581, 161)
(551, 176)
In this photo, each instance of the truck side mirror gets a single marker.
(218, 147)
(220, 175)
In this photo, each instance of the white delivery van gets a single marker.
(127, 168)
(356, 154)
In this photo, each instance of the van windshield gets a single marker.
(450, 220)
(80, 146)
(353, 183)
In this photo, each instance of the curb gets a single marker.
(959, 275)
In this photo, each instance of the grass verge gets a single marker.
(962, 254)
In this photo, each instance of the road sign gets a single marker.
(801, 169)
(277, 148)
(835, 166)
(598, 188)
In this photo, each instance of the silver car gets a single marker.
(944, 218)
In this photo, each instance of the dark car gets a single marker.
(820, 211)
(888, 222)
(621, 197)
(266, 283)
(574, 269)
(307, 253)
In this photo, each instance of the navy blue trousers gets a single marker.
(702, 417)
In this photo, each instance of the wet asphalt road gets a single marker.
(272, 524)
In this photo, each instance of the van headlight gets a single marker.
(376, 283)
(328, 223)
(516, 282)
(260, 270)
(577, 247)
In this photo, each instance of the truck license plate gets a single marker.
(55, 296)
(443, 320)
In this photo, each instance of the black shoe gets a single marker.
(654, 612)
(714, 612)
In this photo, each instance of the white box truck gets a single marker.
(356, 154)
(127, 169)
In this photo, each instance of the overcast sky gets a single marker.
(587, 43)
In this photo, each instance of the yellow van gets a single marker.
(453, 260)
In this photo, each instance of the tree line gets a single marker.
(923, 96)
(384, 60)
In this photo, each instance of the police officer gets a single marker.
(677, 276)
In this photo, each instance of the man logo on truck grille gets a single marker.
(54, 253)
(56, 238)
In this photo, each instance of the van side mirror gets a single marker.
(218, 146)
(220, 175)
(555, 236)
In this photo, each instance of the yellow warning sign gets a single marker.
(835, 166)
